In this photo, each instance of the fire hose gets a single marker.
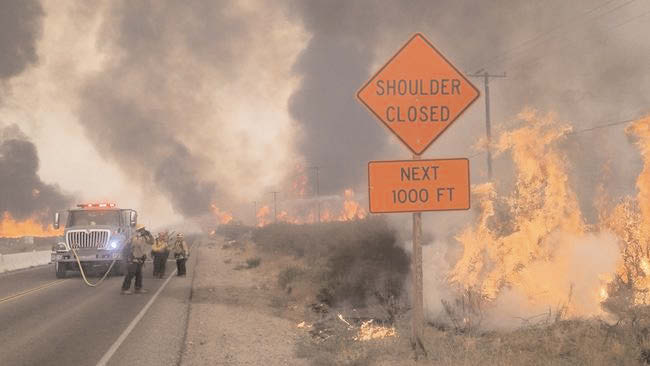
(83, 274)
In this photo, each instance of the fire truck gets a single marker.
(94, 236)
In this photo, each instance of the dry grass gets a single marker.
(567, 342)
(234, 231)
(288, 275)
(322, 270)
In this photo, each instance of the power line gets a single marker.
(536, 60)
(507, 53)
(593, 128)
(556, 37)
(631, 19)
(611, 124)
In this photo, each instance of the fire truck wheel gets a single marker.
(60, 270)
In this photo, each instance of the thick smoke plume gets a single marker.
(566, 57)
(23, 194)
(150, 101)
(20, 27)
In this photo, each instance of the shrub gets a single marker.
(466, 311)
(253, 262)
(288, 275)
(362, 259)
(250, 263)
(368, 265)
(233, 230)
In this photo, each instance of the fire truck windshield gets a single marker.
(92, 218)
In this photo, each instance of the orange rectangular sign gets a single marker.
(418, 185)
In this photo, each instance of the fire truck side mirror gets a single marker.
(133, 218)
(56, 220)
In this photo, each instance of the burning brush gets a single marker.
(534, 244)
(11, 228)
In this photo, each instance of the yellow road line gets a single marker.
(26, 292)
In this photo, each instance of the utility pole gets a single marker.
(254, 213)
(275, 206)
(488, 128)
(317, 168)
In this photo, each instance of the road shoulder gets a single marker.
(231, 320)
(158, 338)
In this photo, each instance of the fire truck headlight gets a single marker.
(60, 247)
(114, 244)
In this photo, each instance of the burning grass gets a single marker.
(12, 228)
(533, 243)
(337, 262)
(552, 287)
(300, 210)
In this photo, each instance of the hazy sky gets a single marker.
(168, 106)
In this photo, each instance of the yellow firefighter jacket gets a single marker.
(160, 246)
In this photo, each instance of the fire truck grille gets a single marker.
(87, 239)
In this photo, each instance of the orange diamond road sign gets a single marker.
(418, 185)
(418, 94)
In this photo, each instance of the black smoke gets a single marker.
(338, 133)
(23, 194)
(20, 28)
(565, 57)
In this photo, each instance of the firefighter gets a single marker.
(135, 254)
(166, 253)
(181, 253)
(159, 251)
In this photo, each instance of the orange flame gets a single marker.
(263, 216)
(10, 228)
(223, 216)
(299, 184)
(351, 210)
(526, 247)
(630, 220)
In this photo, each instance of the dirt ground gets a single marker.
(232, 320)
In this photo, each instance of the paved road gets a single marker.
(64, 322)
